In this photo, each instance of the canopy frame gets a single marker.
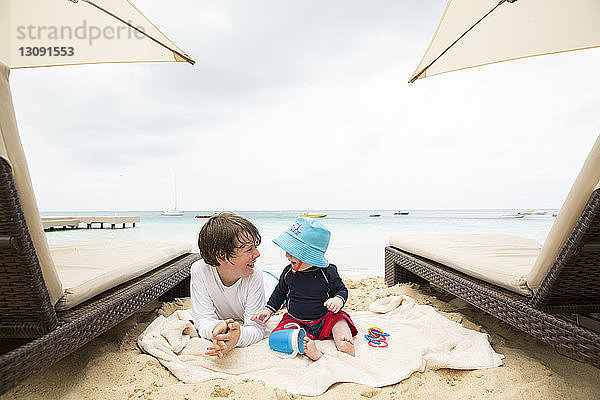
(178, 53)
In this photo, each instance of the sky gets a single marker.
(305, 105)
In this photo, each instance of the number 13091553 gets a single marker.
(55, 51)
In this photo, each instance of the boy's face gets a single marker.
(297, 265)
(242, 262)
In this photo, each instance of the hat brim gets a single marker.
(300, 250)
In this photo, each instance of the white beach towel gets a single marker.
(419, 338)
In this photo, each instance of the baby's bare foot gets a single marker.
(345, 345)
(310, 349)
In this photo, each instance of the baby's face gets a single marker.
(297, 265)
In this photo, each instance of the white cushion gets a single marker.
(90, 268)
(587, 181)
(503, 260)
(12, 151)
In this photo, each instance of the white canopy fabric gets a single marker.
(479, 32)
(40, 33)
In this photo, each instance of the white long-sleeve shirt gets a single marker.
(213, 302)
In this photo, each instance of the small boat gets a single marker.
(172, 213)
(512, 216)
(203, 216)
(314, 215)
(532, 212)
(374, 215)
(401, 213)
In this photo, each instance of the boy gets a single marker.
(226, 285)
(312, 288)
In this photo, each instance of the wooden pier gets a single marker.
(62, 223)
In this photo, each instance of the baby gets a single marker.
(312, 289)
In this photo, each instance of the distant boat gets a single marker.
(375, 215)
(203, 216)
(314, 215)
(401, 213)
(532, 212)
(173, 212)
(512, 216)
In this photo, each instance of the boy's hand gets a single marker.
(334, 304)
(262, 316)
(225, 336)
(221, 327)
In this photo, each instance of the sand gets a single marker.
(112, 366)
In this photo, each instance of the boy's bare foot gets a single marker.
(310, 349)
(345, 345)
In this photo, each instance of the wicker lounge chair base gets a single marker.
(554, 314)
(560, 331)
(78, 326)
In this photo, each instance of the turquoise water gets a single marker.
(357, 240)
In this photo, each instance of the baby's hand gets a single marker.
(262, 316)
(334, 304)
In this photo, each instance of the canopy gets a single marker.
(40, 33)
(478, 32)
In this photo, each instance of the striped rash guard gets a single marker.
(305, 291)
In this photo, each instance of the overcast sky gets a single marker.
(305, 105)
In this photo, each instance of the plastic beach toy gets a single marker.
(289, 340)
(377, 337)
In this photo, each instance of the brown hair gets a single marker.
(222, 234)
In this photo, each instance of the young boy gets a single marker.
(312, 288)
(226, 285)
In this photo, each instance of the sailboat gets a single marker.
(173, 212)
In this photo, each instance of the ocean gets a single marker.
(357, 240)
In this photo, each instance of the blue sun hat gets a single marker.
(307, 240)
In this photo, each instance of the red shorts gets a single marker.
(320, 328)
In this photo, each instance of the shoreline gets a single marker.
(113, 367)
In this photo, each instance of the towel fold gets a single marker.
(385, 305)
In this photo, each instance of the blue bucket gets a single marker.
(288, 340)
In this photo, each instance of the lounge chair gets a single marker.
(55, 300)
(547, 293)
